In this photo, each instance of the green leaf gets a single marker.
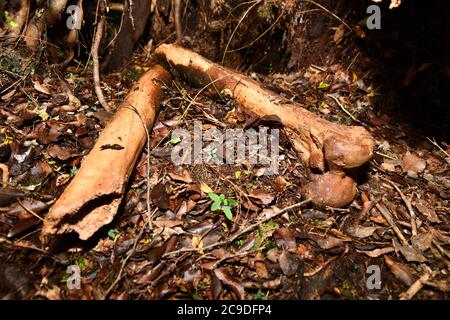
(232, 202)
(73, 171)
(112, 234)
(222, 197)
(215, 206)
(260, 295)
(225, 202)
(214, 197)
(237, 175)
(228, 213)
(323, 85)
(175, 140)
(82, 263)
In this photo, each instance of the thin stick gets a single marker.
(259, 37)
(329, 12)
(148, 164)
(438, 146)
(343, 108)
(312, 273)
(124, 262)
(386, 214)
(412, 214)
(414, 288)
(240, 233)
(237, 27)
(29, 210)
(95, 45)
(177, 18)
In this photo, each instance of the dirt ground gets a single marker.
(393, 81)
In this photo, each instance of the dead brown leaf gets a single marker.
(224, 275)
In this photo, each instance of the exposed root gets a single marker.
(95, 46)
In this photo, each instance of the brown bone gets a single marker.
(315, 139)
(93, 196)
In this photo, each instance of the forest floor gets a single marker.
(396, 230)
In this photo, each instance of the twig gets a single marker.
(385, 155)
(148, 164)
(438, 146)
(124, 262)
(24, 245)
(240, 233)
(237, 255)
(329, 12)
(312, 273)
(414, 288)
(177, 18)
(343, 108)
(5, 173)
(386, 214)
(95, 45)
(412, 214)
(29, 210)
(237, 27)
(259, 37)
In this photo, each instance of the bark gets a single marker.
(134, 20)
(318, 141)
(19, 17)
(93, 196)
(43, 16)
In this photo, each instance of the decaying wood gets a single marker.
(19, 18)
(42, 17)
(92, 198)
(134, 20)
(318, 141)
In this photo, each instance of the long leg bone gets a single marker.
(317, 140)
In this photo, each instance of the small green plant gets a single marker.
(113, 234)
(212, 154)
(260, 295)
(222, 203)
(175, 140)
(82, 263)
(73, 171)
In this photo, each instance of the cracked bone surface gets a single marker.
(318, 141)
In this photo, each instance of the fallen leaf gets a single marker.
(411, 254)
(360, 231)
(42, 88)
(57, 151)
(280, 184)
(329, 242)
(159, 196)
(412, 164)
(339, 34)
(205, 188)
(226, 278)
(167, 223)
(422, 241)
(261, 197)
(285, 238)
(428, 212)
(288, 263)
(179, 173)
(261, 270)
